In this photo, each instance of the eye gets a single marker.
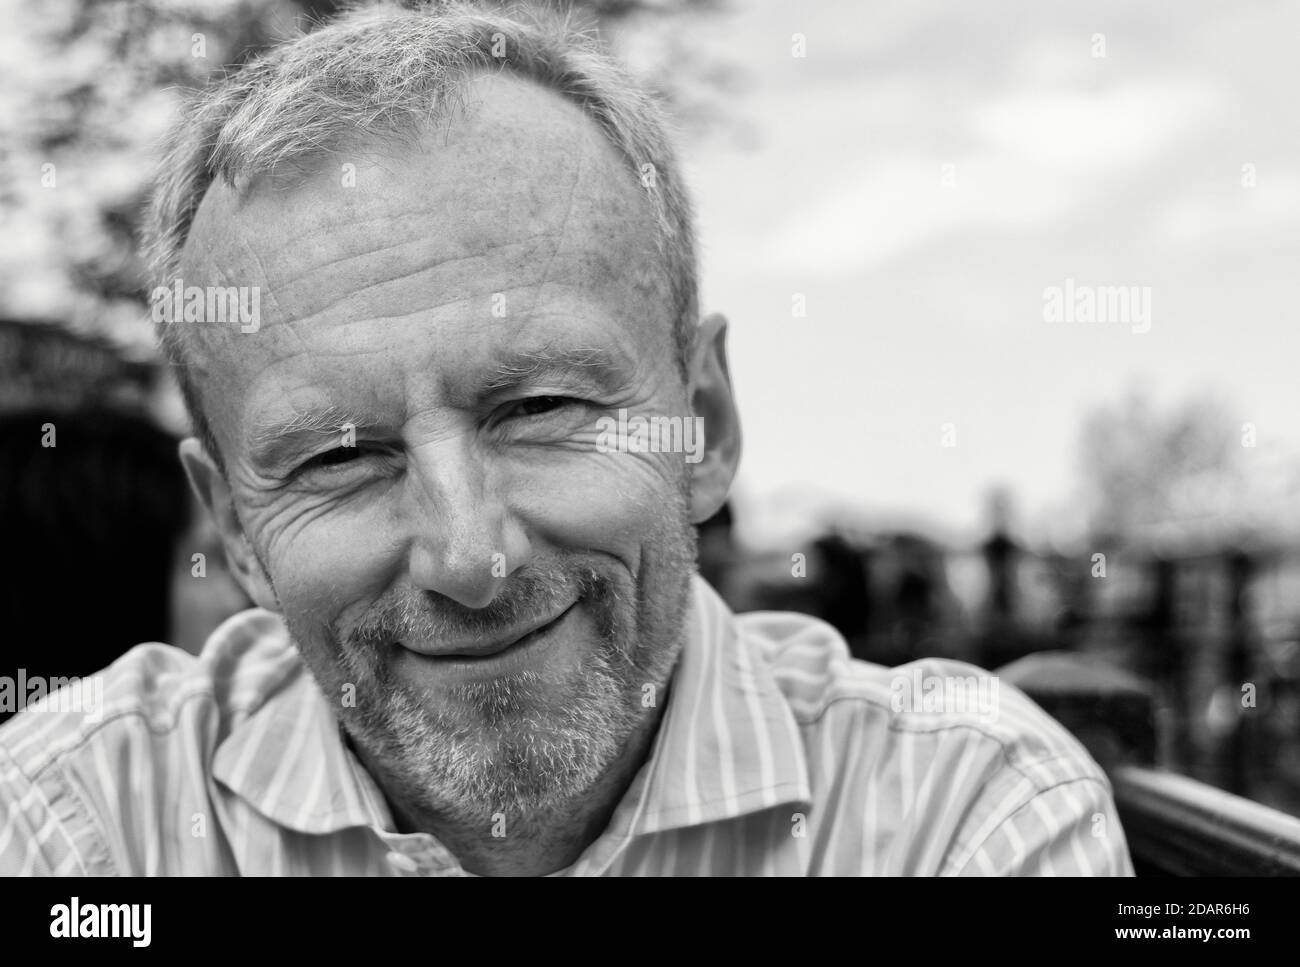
(332, 458)
(538, 405)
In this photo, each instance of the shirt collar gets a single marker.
(287, 757)
(728, 744)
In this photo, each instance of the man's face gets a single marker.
(410, 443)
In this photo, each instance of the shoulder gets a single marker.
(99, 776)
(951, 768)
(154, 690)
(930, 697)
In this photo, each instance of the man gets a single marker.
(481, 647)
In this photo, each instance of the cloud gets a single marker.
(1034, 159)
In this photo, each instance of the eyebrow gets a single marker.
(591, 365)
(270, 442)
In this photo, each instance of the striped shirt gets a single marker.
(777, 754)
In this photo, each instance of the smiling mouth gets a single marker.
(491, 649)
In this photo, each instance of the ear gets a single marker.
(213, 491)
(709, 386)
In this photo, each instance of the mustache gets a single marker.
(530, 595)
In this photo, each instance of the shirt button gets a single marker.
(402, 863)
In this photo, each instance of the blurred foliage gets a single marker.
(43, 366)
(1143, 465)
(87, 91)
(88, 88)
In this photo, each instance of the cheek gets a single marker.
(325, 563)
(611, 502)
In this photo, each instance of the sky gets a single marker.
(923, 174)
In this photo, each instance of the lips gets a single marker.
(486, 648)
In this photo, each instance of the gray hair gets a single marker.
(386, 69)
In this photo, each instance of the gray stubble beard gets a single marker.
(521, 756)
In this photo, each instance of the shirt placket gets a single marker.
(418, 854)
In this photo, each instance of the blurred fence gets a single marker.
(1215, 629)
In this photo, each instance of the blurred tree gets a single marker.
(87, 88)
(1143, 466)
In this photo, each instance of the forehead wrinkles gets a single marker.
(523, 170)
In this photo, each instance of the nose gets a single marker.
(465, 542)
